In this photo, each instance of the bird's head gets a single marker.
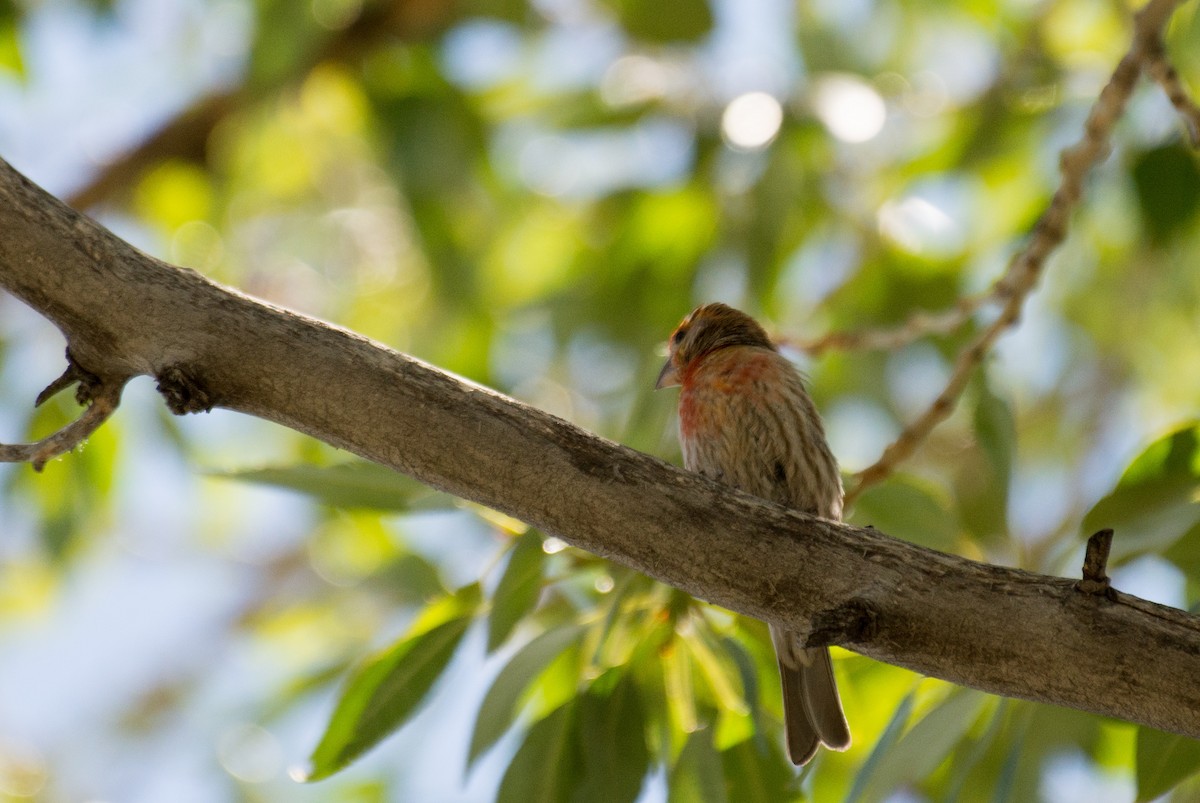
(705, 330)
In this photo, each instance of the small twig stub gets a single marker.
(1095, 564)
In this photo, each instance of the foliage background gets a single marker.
(531, 195)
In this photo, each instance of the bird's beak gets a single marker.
(669, 377)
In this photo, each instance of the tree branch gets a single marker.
(1145, 53)
(1002, 630)
(101, 404)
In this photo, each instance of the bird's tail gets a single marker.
(812, 710)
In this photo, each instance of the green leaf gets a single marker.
(1163, 761)
(1185, 553)
(757, 772)
(1155, 502)
(384, 692)
(410, 578)
(519, 587)
(983, 475)
(546, 764)
(612, 731)
(747, 673)
(887, 741)
(919, 751)
(293, 36)
(499, 707)
(664, 20)
(996, 431)
(10, 48)
(348, 485)
(907, 508)
(1167, 180)
(697, 775)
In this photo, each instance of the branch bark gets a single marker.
(993, 628)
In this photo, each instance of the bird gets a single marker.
(746, 420)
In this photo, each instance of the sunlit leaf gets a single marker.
(174, 193)
(348, 485)
(717, 675)
(384, 692)
(678, 680)
(10, 47)
(499, 707)
(1163, 760)
(518, 589)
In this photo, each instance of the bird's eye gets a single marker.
(677, 338)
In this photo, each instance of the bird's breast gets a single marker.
(722, 382)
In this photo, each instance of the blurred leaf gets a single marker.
(348, 485)
(612, 733)
(1185, 553)
(10, 46)
(433, 138)
(287, 36)
(907, 508)
(925, 746)
(664, 20)
(883, 746)
(73, 493)
(996, 431)
(383, 693)
(974, 754)
(718, 675)
(983, 476)
(757, 772)
(747, 670)
(547, 762)
(516, 11)
(1163, 761)
(679, 681)
(519, 587)
(697, 776)
(410, 578)
(173, 193)
(303, 685)
(1167, 180)
(1155, 501)
(499, 707)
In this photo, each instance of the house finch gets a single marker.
(745, 419)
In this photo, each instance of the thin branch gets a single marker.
(920, 325)
(990, 627)
(101, 407)
(1051, 229)
(1160, 69)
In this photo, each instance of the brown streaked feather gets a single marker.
(746, 419)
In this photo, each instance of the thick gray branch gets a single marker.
(998, 629)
